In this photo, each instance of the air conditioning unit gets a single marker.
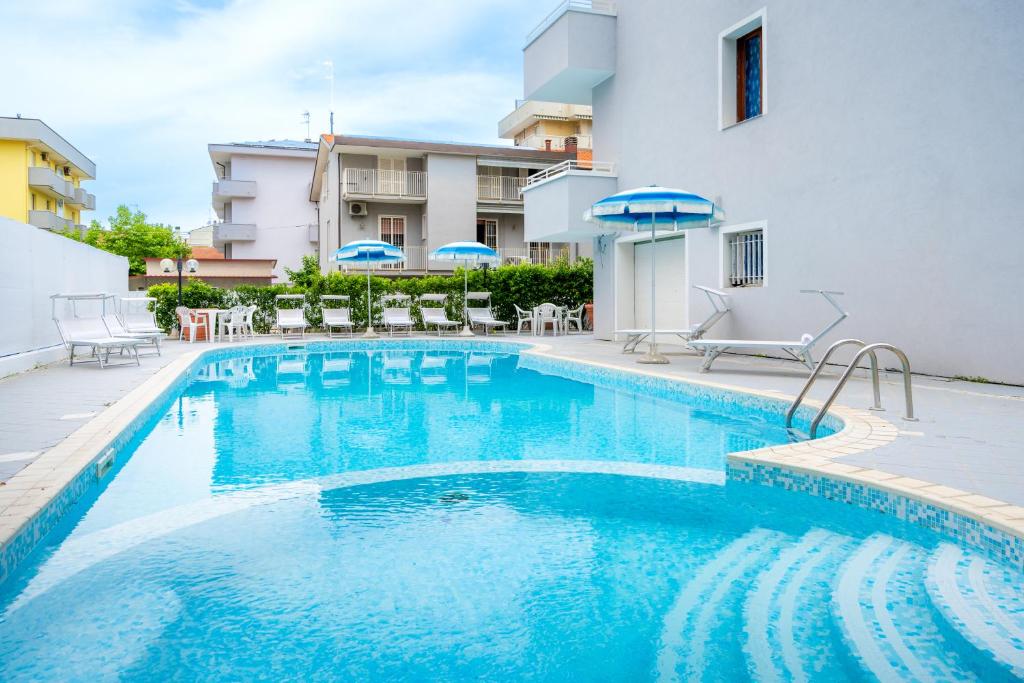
(357, 209)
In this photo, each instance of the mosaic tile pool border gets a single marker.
(924, 510)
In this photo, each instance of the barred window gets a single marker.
(745, 259)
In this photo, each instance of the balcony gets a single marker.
(529, 112)
(82, 198)
(49, 221)
(571, 52)
(50, 183)
(393, 186)
(233, 232)
(499, 189)
(226, 188)
(555, 199)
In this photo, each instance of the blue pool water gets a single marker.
(443, 515)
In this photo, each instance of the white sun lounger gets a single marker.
(290, 321)
(336, 313)
(432, 310)
(719, 304)
(117, 329)
(398, 318)
(92, 334)
(482, 315)
(800, 350)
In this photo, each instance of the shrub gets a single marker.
(526, 285)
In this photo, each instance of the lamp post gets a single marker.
(190, 266)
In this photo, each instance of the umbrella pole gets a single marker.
(652, 357)
(370, 334)
(467, 331)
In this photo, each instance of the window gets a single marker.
(744, 258)
(392, 230)
(227, 250)
(743, 83)
(540, 252)
(748, 75)
(487, 232)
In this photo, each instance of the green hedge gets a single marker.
(526, 285)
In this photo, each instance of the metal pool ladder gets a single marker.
(865, 350)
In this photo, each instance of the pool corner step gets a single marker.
(885, 618)
(982, 603)
(788, 622)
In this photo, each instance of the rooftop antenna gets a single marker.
(305, 120)
(330, 77)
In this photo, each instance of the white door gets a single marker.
(670, 311)
(390, 176)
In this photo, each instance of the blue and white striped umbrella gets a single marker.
(367, 253)
(466, 253)
(635, 208)
(470, 252)
(654, 206)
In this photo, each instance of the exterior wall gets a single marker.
(35, 264)
(900, 191)
(281, 210)
(451, 199)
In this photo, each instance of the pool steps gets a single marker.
(787, 616)
(981, 603)
(825, 605)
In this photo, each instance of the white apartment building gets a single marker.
(872, 148)
(261, 196)
(420, 195)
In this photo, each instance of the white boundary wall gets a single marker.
(34, 264)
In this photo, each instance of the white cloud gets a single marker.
(143, 87)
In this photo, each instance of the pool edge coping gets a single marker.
(29, 492)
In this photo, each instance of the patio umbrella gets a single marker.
(367, 253)
(465, 253)
(660, 206)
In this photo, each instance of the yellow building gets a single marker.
(41, 176)
(549, 125)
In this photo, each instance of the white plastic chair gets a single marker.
(188, 319)
(523, 317)
(547, 314)
(232, 322)
(573, 316)
(250, 312)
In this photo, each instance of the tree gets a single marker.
(129, 234)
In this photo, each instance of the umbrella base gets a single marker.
(466, 332)
(371, 334)
(652, 358)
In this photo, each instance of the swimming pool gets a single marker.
(426, 511)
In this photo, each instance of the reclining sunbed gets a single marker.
(719, 304)
(800, 350)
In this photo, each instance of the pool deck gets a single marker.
(969, 436)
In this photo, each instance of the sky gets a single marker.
(142, 88)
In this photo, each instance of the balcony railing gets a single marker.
(574, 166)
(539, 253)
(558, 143)
(372, 182)
(495, 188)
(596, 6)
